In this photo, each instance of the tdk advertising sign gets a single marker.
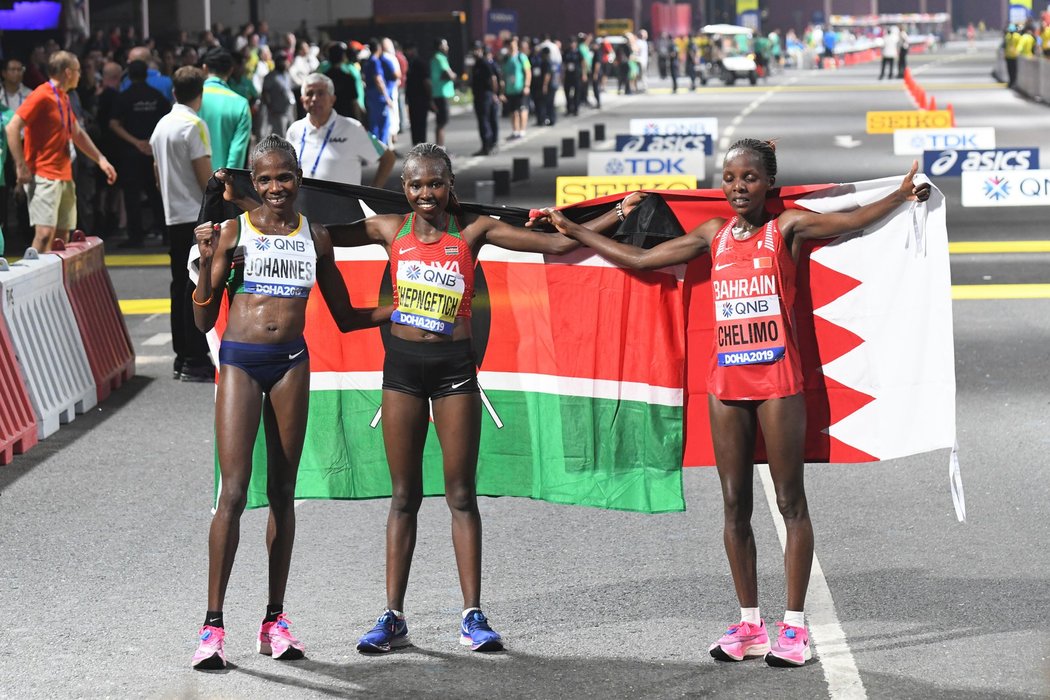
(914, 142)
(659, 144)
(952, 163)
(675, 126)
(1006, 188)
(648, 164)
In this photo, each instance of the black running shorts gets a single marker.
(430, 370)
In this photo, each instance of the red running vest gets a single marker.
(753, 286)
(433, 282)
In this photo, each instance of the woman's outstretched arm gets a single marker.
(672, 252)
(806, 224)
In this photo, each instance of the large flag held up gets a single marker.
(585, 367)
(581, 369)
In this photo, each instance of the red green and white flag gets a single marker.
(586, 368)
(581, 367)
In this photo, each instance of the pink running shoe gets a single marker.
(210, 655)
(277, 641)
(791, 647)
(740, 641)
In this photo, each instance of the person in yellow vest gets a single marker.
(1044, 39)
(1011, 45)
(1026, 44)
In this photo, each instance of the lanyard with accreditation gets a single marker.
(324, 142)
(66, 119)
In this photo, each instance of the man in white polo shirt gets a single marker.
(333, 147)
(182, 164)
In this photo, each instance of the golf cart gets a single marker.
(730, 54)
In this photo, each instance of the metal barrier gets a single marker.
(46, 340)
(17, 424)
(1033, 78)
(110, 352)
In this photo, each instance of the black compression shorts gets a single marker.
(430, 370)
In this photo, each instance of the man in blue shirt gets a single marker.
(154, 78)
(378, 101)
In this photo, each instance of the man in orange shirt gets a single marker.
(46, 165)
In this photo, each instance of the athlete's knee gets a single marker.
(406, 501)
(233, 498)
(793, 505)
(461, 497)
(738, 504)
(281, 495)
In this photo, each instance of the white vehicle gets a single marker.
(732, 54)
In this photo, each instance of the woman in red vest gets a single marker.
(755, 378)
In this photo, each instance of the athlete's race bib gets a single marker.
(748, 321)
(279, 266)
(428, 295)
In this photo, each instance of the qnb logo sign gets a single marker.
(1026, 188)
(996, 188)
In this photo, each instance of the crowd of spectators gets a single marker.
(125, 88)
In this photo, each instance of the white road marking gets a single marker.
(152, 359)
(158, 339)
(727, 133)
(836, 659)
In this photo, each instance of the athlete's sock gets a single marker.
(273, 611)
(795, 618)
(468, 611)
(213, 618)
(750, 615)
(397, 613)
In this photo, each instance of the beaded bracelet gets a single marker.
(619, 211)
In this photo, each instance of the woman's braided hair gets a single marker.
(765, 150)
(432, 151)
(274, 144)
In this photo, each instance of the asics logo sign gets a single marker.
(651, 142)
(955, 162)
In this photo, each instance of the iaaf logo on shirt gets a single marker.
(262, 243)
(413, 272)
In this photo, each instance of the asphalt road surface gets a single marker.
(103, 525)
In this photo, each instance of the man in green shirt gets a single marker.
(442, 87)
(225, 112)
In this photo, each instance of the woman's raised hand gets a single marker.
(911, 191)
(558, 220)
(226, 178)
(207, 235)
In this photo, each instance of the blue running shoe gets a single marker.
(475, 633)
(389, 633)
